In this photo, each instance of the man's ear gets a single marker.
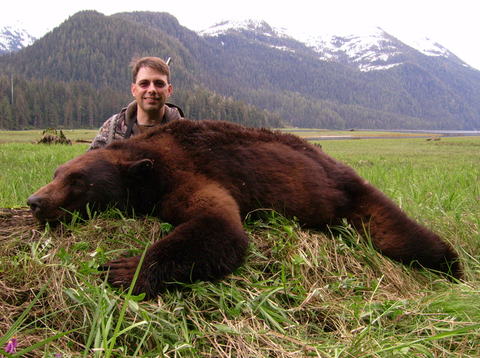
(139, 168)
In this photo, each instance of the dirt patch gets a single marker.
(18, 222)
(16, 217)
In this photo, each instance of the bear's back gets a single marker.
(247, 161)
(205, 135)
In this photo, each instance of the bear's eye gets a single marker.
(77, 180)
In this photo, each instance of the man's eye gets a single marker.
(158, 84)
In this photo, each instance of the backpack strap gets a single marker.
(132, 122)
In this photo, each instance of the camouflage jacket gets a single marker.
(115, 127)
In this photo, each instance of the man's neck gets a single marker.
(150, 119)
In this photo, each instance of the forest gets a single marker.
(78, 75)
(47, 103)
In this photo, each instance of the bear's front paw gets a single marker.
(121, 271)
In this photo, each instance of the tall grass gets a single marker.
(300, 293)
(437, 183)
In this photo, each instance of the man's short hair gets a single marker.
(153, 62)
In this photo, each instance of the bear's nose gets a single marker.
(35, 203)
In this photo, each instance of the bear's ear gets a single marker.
(140, 167)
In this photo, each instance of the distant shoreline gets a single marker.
(326, 134)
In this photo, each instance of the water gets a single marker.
(356, 134)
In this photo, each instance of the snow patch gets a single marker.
(427, 46)
(255, 25)
(14, 37)
(367, 67)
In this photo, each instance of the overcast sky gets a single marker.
(453, 24)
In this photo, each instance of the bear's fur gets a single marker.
(204, 177)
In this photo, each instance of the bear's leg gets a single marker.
(396, 235)
(210, 244)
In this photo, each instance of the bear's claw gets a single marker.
(120, 272)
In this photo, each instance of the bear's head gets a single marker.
(92, 181)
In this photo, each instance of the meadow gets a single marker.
(300, 293)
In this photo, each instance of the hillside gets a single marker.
(250, 69)
(417, 90)
(78, 75)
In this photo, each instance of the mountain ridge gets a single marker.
(14, 37)
(370, 44)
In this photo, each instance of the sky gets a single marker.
(452, 24)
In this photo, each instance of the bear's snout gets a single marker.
(35, 203)
(41, 209)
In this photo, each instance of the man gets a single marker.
(151, 87)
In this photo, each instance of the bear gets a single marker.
(204, 177)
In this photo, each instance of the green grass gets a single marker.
(25, 167)
(35, 134)
(300, 293)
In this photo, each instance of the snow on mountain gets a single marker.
(427, 46)
(368, 49)
(254, 25)
(14, 37)
(372, 50)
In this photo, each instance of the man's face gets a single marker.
(151, 91)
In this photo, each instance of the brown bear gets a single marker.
(204, 177)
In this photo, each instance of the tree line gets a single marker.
(48, 103)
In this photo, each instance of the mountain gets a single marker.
(78, 75)
(367, 50)
(372, 49)
(14, 37)
(371, 80)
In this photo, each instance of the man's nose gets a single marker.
(151, 87)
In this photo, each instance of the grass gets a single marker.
(34, 135)
(25, 167)
(299, 294)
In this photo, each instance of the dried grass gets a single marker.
(300, 293)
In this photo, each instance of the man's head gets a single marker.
(152, 62)
(151, 87)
